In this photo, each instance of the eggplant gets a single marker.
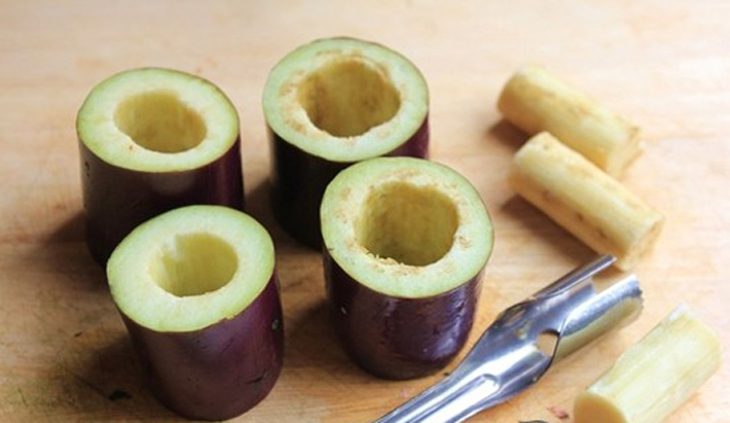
(152, 140)
(329, 104)
(197, 290)
(405, 244)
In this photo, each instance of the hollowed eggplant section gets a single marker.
(346, 98)
(159, 121)
(194, 264)
(410, 224)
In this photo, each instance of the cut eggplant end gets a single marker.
(157, 120)
(197, 290)
(345, 100)
(405, 227)
(152, 140)
(190, 268)
(405, 243)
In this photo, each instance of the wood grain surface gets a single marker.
(64, 353)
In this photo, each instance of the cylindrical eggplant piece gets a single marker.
(197, 289)
(329, 104)
(152, 140)
(405, 243)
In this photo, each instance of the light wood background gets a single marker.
(666, 64)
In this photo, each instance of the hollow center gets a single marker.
(159, 121)
(347, 97)
(409, 224)
(194, 264)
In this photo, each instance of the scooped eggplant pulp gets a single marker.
(152, 140)
(331, 103)
(405, 243)
(198, 292)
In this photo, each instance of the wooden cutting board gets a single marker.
(64, 354)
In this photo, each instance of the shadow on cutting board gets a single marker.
(93, 369)
(507, 134)
(70, 230)
(63, 253)
(312, 344)
(258, 205)
(97, 375)
(542, 229)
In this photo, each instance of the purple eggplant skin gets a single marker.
(299, 179)
(218, 372)
(116, 200)
(399, 338)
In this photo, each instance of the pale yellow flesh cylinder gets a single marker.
(535, 100)
(584, 200)
(654, 377)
